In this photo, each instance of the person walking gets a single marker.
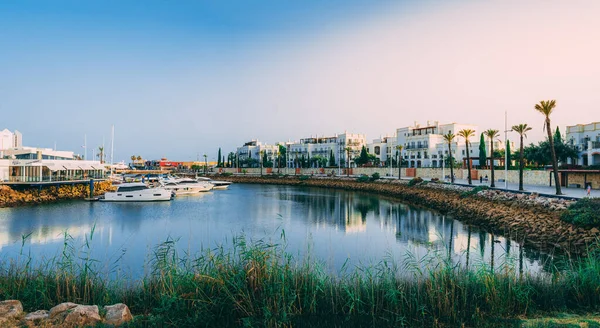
(589, 190)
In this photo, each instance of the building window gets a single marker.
(377, 150)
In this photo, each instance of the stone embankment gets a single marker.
(11, 198)
(530, 219)
(63, 315)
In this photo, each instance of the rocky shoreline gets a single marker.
(531, 219)
(11, 198)
(63, 315)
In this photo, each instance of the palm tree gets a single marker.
(139, 158)
(133, 157)
(205, 163)
(467, 133)
(545, 107)
(101, 154)
(521, 129)
(348, 149)
(399, 149)
(492, 134)
(449, 139)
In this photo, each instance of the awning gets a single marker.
(86, 167)
(55, 167)
(71, 166)
(99, 167)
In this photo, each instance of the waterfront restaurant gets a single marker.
(47, 171)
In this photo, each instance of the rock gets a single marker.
(60, 308)
(36, 316)
(82, 316)
(117, 314)
(10, 309)
(595, 231)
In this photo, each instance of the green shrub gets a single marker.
(473, 191)
(363, 178)
(226, 174)
(415, 181)
(583, 213)
(244, 171)
(304, 177)
(375, 176)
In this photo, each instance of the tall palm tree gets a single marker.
(101, 154)
(545, 107)
(521, 129)
(467, 133)
(348, 149)
(399, 149)
(492, 134)
(449, 139)
(133, 157)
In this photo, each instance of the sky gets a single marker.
(179, 79)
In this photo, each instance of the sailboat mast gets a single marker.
(112, 147)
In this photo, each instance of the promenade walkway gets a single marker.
(542, 190)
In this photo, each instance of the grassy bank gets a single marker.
(258, 284)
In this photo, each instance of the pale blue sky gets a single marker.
(181, 78)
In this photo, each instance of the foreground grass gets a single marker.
(259, 284)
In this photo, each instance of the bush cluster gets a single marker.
(473, 191)
(363, 178)
(304, 177)
(415, 181)
(584, 212)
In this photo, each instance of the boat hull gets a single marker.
(149, 195)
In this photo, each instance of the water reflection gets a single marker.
(337, 226)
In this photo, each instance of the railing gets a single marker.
(421, 146)
(55, 179)
(595, 145)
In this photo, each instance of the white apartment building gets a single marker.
(586, 137)
(325, 146)
(383, 148)
(424, 146)
(10, 140)
(253, 149)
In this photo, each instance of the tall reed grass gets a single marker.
(259, 284)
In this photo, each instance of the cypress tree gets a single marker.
(557, 136)
(483, 152)
(219, 158)
(331, 158)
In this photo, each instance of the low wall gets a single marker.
(529, 177)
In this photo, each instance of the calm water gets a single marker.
(336, 226)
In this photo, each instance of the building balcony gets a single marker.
(593, 145)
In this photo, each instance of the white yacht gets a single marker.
(186, 186)
(217, 184)
(137, 192)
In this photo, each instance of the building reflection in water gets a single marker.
(345, 225)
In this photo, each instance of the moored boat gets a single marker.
(216, 183)
(137, 192)
(186, 186)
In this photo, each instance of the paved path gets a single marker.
(542, 190)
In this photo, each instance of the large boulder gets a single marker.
(10, 309)
(82, 316)
(61, 308)
(36, 317)
(117, 314)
